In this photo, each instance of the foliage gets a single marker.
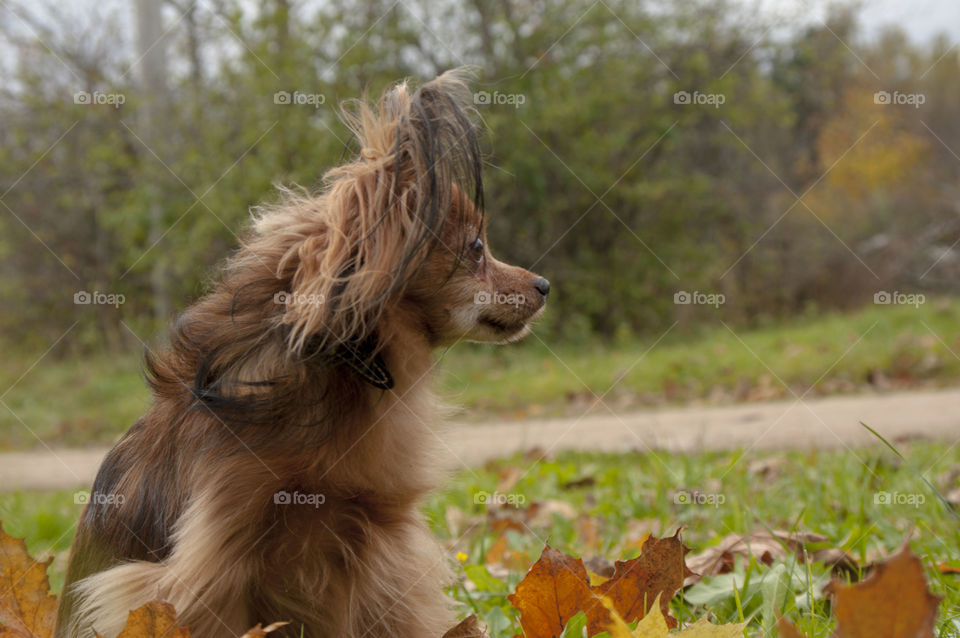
(798, 189)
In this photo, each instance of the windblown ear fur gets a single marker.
(379, 216)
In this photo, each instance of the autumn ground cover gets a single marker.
(844, 510)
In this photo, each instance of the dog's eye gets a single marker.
(477, 248)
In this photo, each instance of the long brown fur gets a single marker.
(255, 399)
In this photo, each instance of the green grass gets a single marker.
(830, 493)
(92, 400)
(825, 354)
(71, 402)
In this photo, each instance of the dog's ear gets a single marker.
(385, 212)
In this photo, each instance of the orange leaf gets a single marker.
(552, 592)
(893, 602)
(156, 619)
(27, 609)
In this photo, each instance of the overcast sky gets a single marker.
(921, 19)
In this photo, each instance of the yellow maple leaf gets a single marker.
(654, 625)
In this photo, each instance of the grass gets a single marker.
(601, 504)
(833, 353)
(830, 493)
(94, 399)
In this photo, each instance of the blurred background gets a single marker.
(749, 213)
(732, 199)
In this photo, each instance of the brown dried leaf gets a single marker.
(767, 548)
(27, 609)
(558, 586)
(787, 629)
(469, 627)
(893, 602)
(156, 619)
(658, 570)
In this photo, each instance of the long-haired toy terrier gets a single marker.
(278, 473)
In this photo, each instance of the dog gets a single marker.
(293, 431)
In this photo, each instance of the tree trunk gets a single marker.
(153, 75)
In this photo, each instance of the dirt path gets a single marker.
(822, 423)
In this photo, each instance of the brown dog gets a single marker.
(278, 473)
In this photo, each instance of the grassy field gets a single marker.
(601, 505)
(94, 399)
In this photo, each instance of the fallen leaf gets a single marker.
(552, 592)
(27, 608)
(767, 548)
(558, 586)
(469, 627)
(948, 568)
(654, 625)
(156, 619)
(787, 629)
(893, 602)
(660, 568)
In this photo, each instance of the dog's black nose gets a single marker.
(542, 286)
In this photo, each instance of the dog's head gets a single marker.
(402, 228)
